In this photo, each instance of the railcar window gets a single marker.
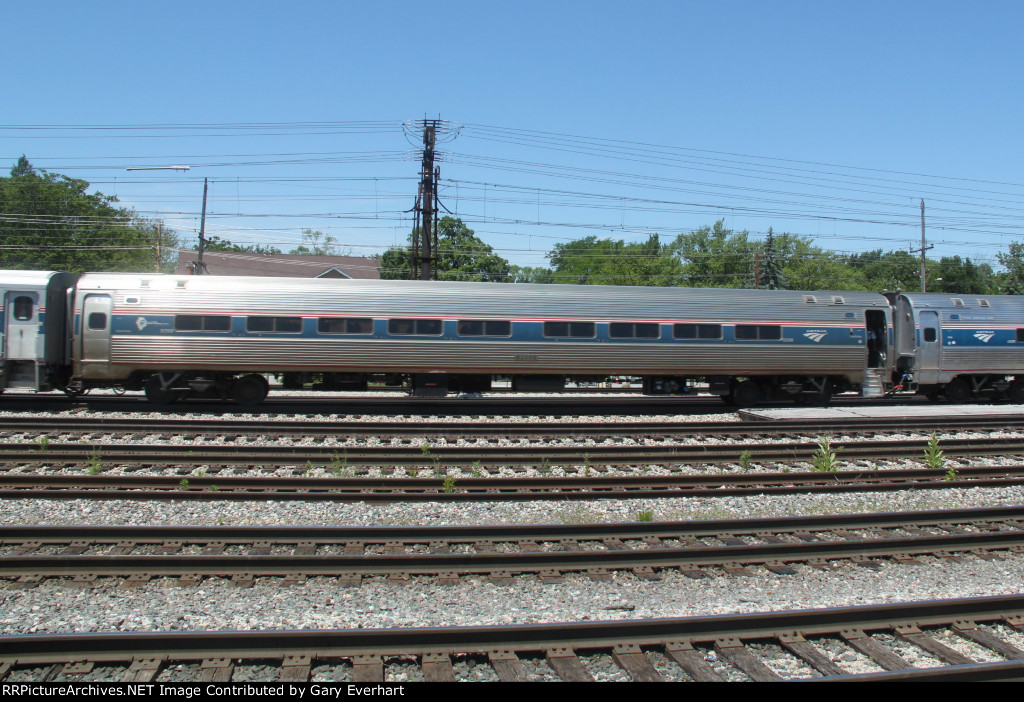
(696, 331)
(758, 332)
(1020, 335)
(574, 330)
(490, 327)
(278, 325)
(23, 308)
(199, 322)
(327, 325)
(415, 327)
(930, 334)
(633, 330)
(97, 321)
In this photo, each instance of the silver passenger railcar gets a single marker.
(34, 352)
(188, 335)
(960, 346)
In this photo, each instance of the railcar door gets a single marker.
(21, 342)
(930, 348)
(95, 336)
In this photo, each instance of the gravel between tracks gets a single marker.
(216, 603)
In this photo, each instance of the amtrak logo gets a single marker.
(985, 336)
(816, 336)
(141, 323)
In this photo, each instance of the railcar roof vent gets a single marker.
(181, 283)
(958, 302)
(144, 283)
(984, 303)
(838, 300)
(810, 299)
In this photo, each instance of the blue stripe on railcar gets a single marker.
(522, 331)
(980, 337)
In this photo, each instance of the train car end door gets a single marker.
(95, 336)
(930, 347)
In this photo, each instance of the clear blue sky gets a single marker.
(569, 118)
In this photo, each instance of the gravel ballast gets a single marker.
(322, 603)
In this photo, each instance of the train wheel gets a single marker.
(250, 389)
(746, 394)
(156, 393)
(957, 391)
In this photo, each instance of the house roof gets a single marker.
(282, 265)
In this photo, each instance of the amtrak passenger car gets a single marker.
(33, 339)
(961, 346)
(177, 336)
(192, 336)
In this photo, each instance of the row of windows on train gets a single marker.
(474, 327)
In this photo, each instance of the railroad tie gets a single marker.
(507, 665)
(367, 669)
(631, 659)
(881, 654)
(437, 667)
(216, 669)
(568, 667)
(987, 639)
(296, 668)
(740, 656)
(941, 651)
(143, 670)
(690, 660)
(810, 653)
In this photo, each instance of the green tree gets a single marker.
(1013, 262)
(893, 270)
(770, 270)
(49, 221)
(817, 269)
(319, 244)
(715, 257)
(530, 274)
(461, 255)
(215, 243)
(964, 277)
(594, 261)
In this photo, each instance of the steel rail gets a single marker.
(681, 640)
(216, 426)
(487, 563)
(212, 487)
(630, 530)
(996, 529)
(489, 455)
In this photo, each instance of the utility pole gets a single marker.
(924, 247)
(200, 267)
(424, 244)
(159, 243)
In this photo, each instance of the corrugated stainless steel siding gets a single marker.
(133, 353)
(452, 300)
(978, 359)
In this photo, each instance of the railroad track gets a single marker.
(221, 485)
(67, 428)
(625, 402)
(718, 648)
(33, 553)
(59, 454)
